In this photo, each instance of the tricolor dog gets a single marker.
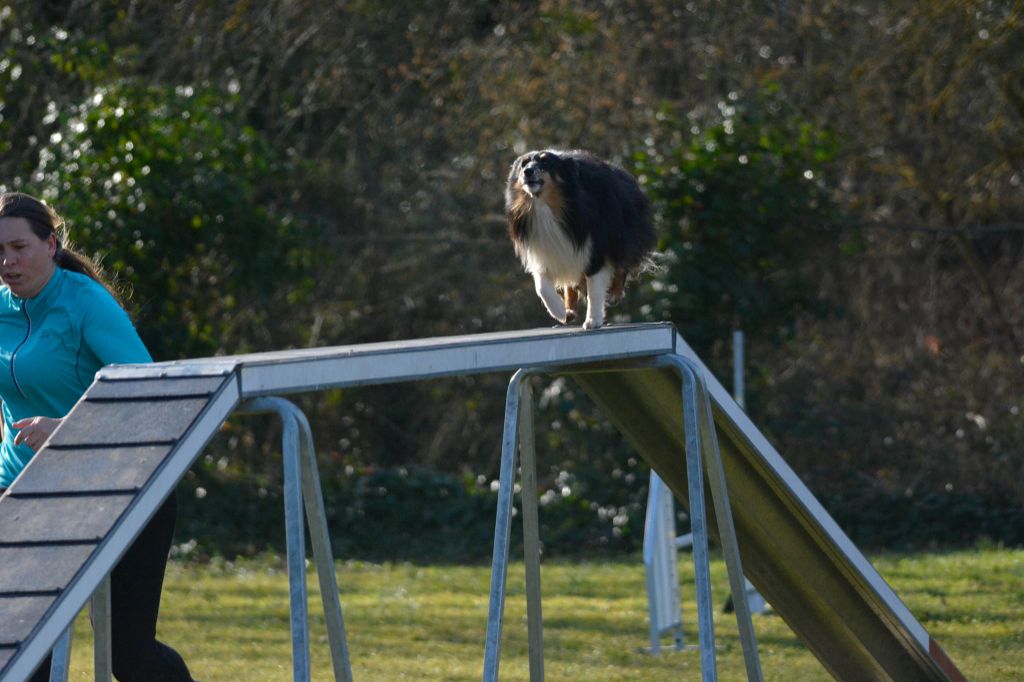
(579, 224)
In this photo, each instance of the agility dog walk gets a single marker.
(159, 418)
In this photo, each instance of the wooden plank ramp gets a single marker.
(66, 521)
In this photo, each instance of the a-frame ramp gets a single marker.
(73, 512)
(82, 500)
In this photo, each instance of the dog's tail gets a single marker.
(653, 263)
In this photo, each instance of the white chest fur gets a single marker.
(549, 251)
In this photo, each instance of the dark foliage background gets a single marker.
(841, 182)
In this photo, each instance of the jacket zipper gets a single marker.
(28, 332)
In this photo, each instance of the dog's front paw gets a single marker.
(591, 324)
(570, 316)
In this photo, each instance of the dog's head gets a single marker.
(534, 171)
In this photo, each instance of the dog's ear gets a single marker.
(514, 170)
(517, 167)
(568, 170)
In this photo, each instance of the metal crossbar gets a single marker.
(701, 450)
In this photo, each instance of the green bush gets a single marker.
(391, 514)
(742, 199)
(172, 191)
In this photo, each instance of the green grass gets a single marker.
(427, 623)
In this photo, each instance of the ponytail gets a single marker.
(70, 259)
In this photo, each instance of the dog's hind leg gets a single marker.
(618, 286)
(597, 291)
(571, 297)
(545, 288)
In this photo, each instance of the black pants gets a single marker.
(135, 585)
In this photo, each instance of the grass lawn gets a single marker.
(427, 623)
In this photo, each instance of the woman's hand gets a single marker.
(34, 431)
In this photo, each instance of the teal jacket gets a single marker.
(51, 346)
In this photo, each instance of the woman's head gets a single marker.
(43, 220)
(22, 217)
(28, 244)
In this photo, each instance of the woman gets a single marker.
(59, 324)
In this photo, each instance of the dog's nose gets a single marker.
(531, 172)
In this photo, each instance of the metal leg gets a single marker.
(502, 530)
(302, 488)
(531, 533)
(698, 417)
(320, 538)
(651, 536)
(62, 656)
(727, 533)
(295, 541)
(102, 660)
(698, 525)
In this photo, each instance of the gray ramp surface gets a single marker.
(83, 499)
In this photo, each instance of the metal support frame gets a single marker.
(701, 445)
(518, 434)
(302, 488)
(61, 661)
(103, 665)
(103, 662)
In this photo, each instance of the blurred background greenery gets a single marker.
(840, 181)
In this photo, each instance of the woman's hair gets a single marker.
(44, 221)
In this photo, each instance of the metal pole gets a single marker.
(295, 541)
(652, 535)
(531, 532)
(727, 534)
(316, 516)
(102, 659)
(302, 488)
(755, 602)
(502, 530)
(62, 656)
(738, 388)
(723, 510)
(698, 524)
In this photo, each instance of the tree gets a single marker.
(743, 202)
(176, 196)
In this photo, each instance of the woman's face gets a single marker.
(26, 261)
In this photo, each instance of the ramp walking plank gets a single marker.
(60, 519)
(47, 568)
(127, 422)
(110, 469)
(20, 617)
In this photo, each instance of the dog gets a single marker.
(578, 224)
